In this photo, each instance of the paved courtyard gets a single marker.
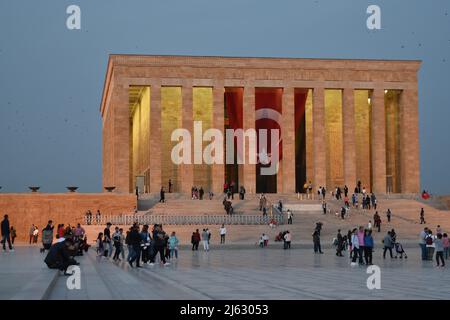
(225, 274)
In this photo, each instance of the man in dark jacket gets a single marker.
(6, 234)
(134, 240)
(195, 240)
(59, 256)
(159, 239)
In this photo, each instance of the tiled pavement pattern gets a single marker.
(226, 274)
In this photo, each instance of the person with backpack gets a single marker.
(47, 236)
(429, 242)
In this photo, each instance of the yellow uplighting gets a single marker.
(333, 125)
(202, 99)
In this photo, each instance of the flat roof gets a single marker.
(252, 62)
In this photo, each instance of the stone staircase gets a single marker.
(405, 218)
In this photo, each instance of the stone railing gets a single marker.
(185, 220)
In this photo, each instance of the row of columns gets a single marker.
(286, 175)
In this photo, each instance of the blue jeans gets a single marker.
(174, 252)
(446, 252)
(423, 248)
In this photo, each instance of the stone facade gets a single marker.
(187, 72)
(25, 209)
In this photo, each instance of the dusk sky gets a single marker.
(51, 78)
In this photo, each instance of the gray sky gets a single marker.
(51, 78)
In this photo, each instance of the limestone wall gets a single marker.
(25, 209)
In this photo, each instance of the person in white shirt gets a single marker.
(369, 225)
(289, 216)
(223, 232)
(287, 240)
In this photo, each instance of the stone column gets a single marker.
(409, 141)
(319, 138)
(348, 126)
(186, 171)
(288, 142)
(248, 114)
(378, 141)
(121, 138)
(218, 170)
(155, 139)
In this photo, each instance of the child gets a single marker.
(173, 245)
(100, 247)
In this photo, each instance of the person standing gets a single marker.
(340, 244)
(387, 242)
(6, 234)
(388, 215)
(423, 246)
(422, 216)
(134, 239)
(345, 191)
(170, 185)
(355, 246)
(159, 237)
(195, 240)
(429, 240)
(324, 207)
(222, 232)
(47, 236)
(368, 246)
(173, 245)
(316, 242)
(13, 233)
(361, 245)
(107, 240)
(98, 216)
(289, 216)
(446, 244)
(205, 239)
(439, 250)
(35, 234)
(117, 240)
(30, 233)
(162, 195)
(288, 239)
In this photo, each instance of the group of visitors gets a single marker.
(437, 245)
(70, 242)
(143, 245)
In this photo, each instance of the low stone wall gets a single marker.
(25, 209)
(446, 200)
